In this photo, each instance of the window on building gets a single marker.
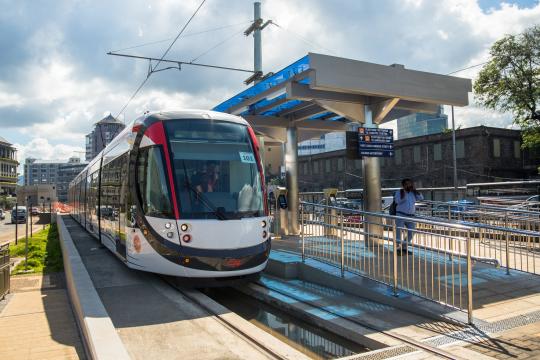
(397, 157)
(306, 169)
(437, 152)
(340, 164)
(315, 167)
(416, 153)
(517, 149)
(460, 149)
(328, 165)
(496, 148)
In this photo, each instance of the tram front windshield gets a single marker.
(215, 169)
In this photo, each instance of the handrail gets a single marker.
(478, 206)
(388, 216)
(473, 225)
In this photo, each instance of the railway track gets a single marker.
(404, 339)
(199, 299)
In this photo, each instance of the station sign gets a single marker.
(375, 142)
(370, 142)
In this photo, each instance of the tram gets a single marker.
(179, 193)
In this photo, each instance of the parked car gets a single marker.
(34, 210)
(2, 215)
(18, 215)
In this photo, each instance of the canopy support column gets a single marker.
(372, 184)
(291, 176)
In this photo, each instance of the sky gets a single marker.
(56, 79)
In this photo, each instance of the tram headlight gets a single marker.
(170, 234)
(184, 227)
(264, 234)
(168, 225)
(263, 223)
(186, 238)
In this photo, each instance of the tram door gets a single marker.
(122, 204)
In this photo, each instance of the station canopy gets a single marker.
(320, 93)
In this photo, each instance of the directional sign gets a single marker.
(375, 142)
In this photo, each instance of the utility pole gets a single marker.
(256, 27)
(454, 154)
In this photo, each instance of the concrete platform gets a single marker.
(155, 321)
(506, 307)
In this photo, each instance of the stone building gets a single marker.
(484, 154)
(51, 172)
(104, 131)
(8, 167)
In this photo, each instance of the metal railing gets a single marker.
(4, 271)
(509, 217)
(509, 236)
(437, 264)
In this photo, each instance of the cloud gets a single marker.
(56, 80)
(40, 148)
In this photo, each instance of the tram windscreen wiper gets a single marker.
(218, 211)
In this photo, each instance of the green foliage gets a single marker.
(44, 252)
(7, 202)
(510, 81)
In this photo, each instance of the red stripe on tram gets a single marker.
(156, 133)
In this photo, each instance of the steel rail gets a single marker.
(226, 323)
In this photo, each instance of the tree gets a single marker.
(510, 81)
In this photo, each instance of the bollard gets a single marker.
(469, 280)
(395, 260)
(16, 224)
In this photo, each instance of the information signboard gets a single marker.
(375, 142)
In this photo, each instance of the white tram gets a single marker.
(179, 193)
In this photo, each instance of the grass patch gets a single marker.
(44, 252)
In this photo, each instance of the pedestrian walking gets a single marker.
(405, 199)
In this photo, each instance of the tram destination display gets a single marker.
(370, 142)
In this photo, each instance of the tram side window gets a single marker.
(153, 189)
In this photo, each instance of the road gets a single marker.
(7, 229)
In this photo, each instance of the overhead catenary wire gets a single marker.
(300, 37)
(222, 42)
(184, 36)
(162, 56)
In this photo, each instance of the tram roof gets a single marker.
(321, 93)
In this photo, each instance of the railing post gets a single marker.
(469, 280)
(302, 231)
(507, 240)
(395, 264)
(342, 244)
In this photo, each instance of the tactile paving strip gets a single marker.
(470, 334)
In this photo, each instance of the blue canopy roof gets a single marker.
(281, 76)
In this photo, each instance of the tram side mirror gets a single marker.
(282, 200)
(332, 199)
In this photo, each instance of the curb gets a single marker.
(100, 338)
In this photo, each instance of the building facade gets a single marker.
(104, 131)
(8, 167)
(59, 174)
(420, 124)
(484, 154)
